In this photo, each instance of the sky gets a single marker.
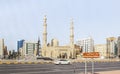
(23, 19)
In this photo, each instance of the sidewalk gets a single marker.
(105, 72)
(109, 72)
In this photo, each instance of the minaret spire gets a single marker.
(71, 33)
(45, 31)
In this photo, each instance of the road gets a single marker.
(75, 68)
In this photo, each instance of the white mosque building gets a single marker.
(53, 50)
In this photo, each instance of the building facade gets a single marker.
(118, 46)
(20, 47)
(20, 44)
(86, 44)
(101, 48)
(29, 50)
(1, 48)
(5, 52)
(54, 50)
(111, 47)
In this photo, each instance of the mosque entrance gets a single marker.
(63, 55)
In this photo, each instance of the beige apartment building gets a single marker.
(53, 49)
(29, 50)
(1, 48)
(111, 47)
(87, 44)
(101, 48)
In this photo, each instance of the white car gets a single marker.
(62, 61)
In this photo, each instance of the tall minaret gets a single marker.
(71, 33)
(45, 32)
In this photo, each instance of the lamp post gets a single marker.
(92, 65)
(85, 65)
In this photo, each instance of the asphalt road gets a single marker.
(75, 68)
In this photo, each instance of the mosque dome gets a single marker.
(54, 42)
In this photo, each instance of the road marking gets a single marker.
(42, 72)
(25, 69)
(59, 70)
(32, 68)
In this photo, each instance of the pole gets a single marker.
(85, 65)
(92, 66)
(74, 68)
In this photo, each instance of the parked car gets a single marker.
(62, 61)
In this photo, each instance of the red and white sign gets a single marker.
(91, 55)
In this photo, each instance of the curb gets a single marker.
(29, 62)
(50, 62)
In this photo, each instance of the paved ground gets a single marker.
(110, 72)
(76, 68)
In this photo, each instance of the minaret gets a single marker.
(71, 33)
(45, 32)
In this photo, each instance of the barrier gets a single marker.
(50, 62)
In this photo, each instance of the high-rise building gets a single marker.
(101, 48)
(1, 48)
(111, 47)
(20, 44)
(118, 46)
(86, 44)
(19, 47)
(5, 52)
(29, 49)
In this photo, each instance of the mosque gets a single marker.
(53, 50)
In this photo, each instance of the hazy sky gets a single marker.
(23, 19)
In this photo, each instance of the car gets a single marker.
(62, 61)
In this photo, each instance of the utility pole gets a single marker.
(92, 65)
(85, 65)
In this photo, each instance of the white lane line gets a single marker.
(58, 70)
(38, 68)
(30, 68)
(25, 69)
(33, 68)
(41, 72)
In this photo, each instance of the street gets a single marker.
(75, 68)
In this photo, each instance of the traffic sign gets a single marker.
(91, 55)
